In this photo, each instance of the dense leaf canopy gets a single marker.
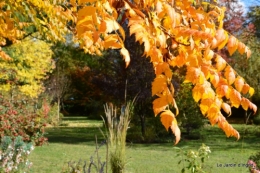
(175, 34)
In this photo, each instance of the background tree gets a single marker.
(235, 16)
(254, 18)
(30, 63)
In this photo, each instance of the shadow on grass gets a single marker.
(74, 135)
(211, 136)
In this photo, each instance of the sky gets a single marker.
(248, 3)
(251, 2)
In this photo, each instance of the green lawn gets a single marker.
(69, 143)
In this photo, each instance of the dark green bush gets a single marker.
(190, 117)
(256, 119)
(53, 117)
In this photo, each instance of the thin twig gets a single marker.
(97, 152)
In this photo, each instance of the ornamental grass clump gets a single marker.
(117, 129)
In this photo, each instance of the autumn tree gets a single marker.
(235, 16)
(22, 18)
(175, 34)
(254, 17)
(30, 62)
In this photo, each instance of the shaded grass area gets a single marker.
(74, 143)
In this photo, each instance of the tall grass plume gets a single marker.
(116, 135)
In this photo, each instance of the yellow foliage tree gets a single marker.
(48, 18)
(31, 60)
(26, 63)
(175, 33)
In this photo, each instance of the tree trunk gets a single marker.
(58, 110)
(142, 118)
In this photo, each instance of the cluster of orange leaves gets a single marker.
(175, 33)
(48, 17)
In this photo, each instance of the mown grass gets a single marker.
(74, 143)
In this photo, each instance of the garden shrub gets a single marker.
(20, 116)
(14, 155)
(256, 119)
(53, 118)
(134, 134)
(193, 161)
(154, 132)
(190, 117)
(254, 162)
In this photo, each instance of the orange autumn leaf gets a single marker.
(214, 79)
(245, 88)
(220, 63)
(245, 103)
(206, 71)
(167, 117)
(220, 37)
(169, 121)
(205, 104)
(159, 105)
(111, 41)
(126, 55)
(232, 45)
(163, 67)
(213, 114)
(176, 131)
(103, 26)
(253, 107)
(197, 92)
(208, 92)
(208, 55)
(241, 48)
(180, 60)
(230, 75)
(226, 107)
(227, 128)
(159, 84)
(192, 75)
(111, 25)
(235, 98)
(239, 83)
(85, 13)
(222, 91)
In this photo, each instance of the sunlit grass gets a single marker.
(74, 143)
